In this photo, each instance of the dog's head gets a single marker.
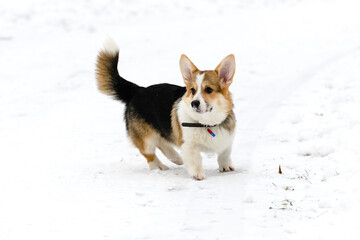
(207, 97)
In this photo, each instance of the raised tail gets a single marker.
(108, 79)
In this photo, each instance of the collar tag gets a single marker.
(211, 133)
(199, 125)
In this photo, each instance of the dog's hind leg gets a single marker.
(167, 149)
(147, 149)
(154, 162)
(146, 140)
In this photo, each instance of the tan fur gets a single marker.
(212, 80)
(175, 125)
(149, 157)
(187, 98)
(143, 136)
(102, 73)
(229, 123)
(228, 97)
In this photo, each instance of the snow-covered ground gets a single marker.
(68, 171)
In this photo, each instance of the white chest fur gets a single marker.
(205, 142)
(200, 137)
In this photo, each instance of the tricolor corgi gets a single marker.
(196, 118)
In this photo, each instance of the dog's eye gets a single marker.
(208, 90)
(193, 91)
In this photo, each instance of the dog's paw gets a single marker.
(163, 167)
(197, 175)
(226, 168)
(157, 165)
(177, 160)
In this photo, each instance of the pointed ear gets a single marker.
(226, 70)
(187, 68)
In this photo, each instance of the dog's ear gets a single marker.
(226, 71)
(187, 68)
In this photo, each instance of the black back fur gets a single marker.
(154, 105)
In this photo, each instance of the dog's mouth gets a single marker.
(198, 110)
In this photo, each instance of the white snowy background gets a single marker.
(68, 171)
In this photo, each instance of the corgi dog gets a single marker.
(195, 118)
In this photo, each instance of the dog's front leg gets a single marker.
(192, 158)
(224, 160)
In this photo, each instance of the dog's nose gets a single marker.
(195, 103)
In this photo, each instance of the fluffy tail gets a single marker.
(108, 79)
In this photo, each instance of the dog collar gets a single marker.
(200, 126)
(185, 124)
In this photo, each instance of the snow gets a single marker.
(68, 170)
